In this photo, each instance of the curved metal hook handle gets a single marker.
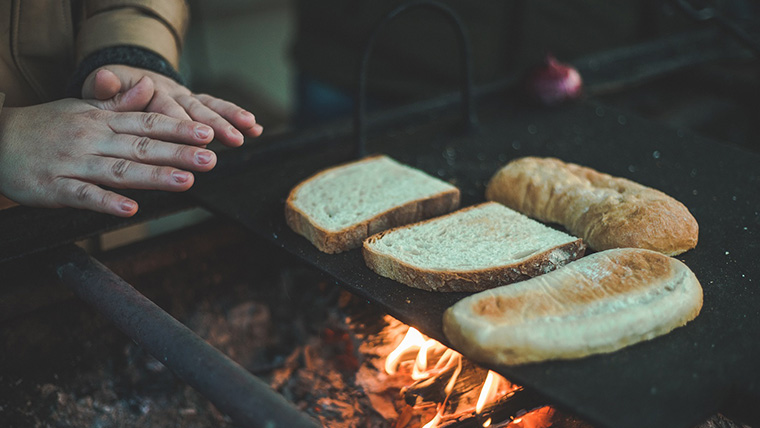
(468, 104)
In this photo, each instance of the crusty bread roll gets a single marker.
(473, 249)
(605, 211)
(337, 208)
(600, 303)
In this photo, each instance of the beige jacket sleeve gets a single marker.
(156, 25)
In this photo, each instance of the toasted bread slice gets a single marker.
(472, 249)
(598, 304)
(339, 207)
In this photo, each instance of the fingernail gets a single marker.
(204, 157)
(234, 133)
(202, 132)
(181, 176)
(258, 128)
(128, 206)
(247, 115)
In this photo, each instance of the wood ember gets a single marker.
(140, 394)
(318, 377)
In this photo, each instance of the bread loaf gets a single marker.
(339, 207)
(472, 249)
(598, 304)
(605, 211)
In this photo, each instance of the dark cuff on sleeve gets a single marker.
(123, 55)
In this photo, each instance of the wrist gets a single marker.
(122, 55)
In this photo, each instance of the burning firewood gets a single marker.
(431, 390)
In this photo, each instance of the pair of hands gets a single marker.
(134, 129)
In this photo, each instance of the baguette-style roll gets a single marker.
(605, 211)
(472, 249)
(337, 208)
(598, 304)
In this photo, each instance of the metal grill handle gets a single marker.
(468, 105)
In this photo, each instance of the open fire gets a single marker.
(457, 391)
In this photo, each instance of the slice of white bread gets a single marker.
(337, 208)
(472, 249)
(607, 212)
(600, 303)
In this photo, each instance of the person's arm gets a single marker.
(131, 39)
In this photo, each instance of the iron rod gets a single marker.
(232, 389)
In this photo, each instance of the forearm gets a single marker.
(146, 34)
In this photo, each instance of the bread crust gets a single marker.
(467, 280)
(598, 304)
(333, 242)
(607, 212)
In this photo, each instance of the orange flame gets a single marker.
(415, 350)
(411, 342)
(490, 387)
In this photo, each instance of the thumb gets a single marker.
(101, 85)
(136, 98)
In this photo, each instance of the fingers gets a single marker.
(230, 123)
(158, 94)
(155, 152)
(223, 131)
(78, 190)
(79, 194)
(159, 126)
(127, 174)
(141, 163)
(163, 103)
(240, 118)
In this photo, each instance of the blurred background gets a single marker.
(277, 56)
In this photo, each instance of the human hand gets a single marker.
(56, 154)
(230, 122)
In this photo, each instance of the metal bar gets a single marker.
(468, 103)
(233, 390)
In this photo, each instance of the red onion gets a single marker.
(553, 82)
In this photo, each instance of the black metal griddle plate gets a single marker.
(672, 381)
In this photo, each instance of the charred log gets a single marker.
(432, 390)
